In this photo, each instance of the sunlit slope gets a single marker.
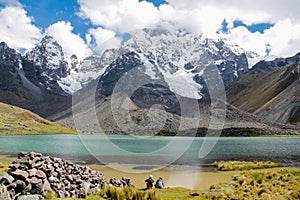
(14, 120)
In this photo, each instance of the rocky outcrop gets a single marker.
(35, 174)
(11, 86)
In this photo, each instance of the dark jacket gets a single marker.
(149, 183)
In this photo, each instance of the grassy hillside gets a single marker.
(14, 120)
(271, 95)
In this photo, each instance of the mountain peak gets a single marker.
(3, 45)
(48, 39)
(8, 53)
(46, 64)
(47, 51)
(5, 48)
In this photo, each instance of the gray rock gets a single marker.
(12, 192)
(86, 188)
(11, 186)
(20, 185)
(38, 155)
(38, 164)
(23, 160)
(36, 159)
(62, 194)
(4, 194)
(28, 188)
(29, 197)
(53, 179)
(22, 154)
(46, 188)
(14, 166)
(41, 174)
(19, 174)
(32, 172)
(6, 179)
(70, 177)
(35, 181)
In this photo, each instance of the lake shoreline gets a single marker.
(237, 135)
(190, 177)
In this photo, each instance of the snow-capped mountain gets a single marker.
(178, 59)
(45, 64)
(10, 80)
(82, 73)
(175, 60)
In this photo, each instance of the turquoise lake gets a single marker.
(155, 150)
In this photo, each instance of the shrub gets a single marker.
(127, 193)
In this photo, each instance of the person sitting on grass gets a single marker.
(159, 183)
(149, 182)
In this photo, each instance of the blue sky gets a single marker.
(47, 12)
(81, 26)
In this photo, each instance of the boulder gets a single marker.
(32, 172)
(86, 188)
(19, 174)
(53, 179)
(6, 179)
(4, 194)
(41, 174)
(20, 186)
(35, 181)
(29, 197)
(46, 188)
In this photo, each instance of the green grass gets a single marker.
(87, 198)
(179, 193)
(272, 184)
(113, 193)
(3, 168)
(242, 165)
(154, 194)
(14, 120)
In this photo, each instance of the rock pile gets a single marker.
(35, 174)
(124, 182)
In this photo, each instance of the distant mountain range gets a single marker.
(168, 66)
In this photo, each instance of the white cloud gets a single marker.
(253, 11)
(105, 39)
(202, 16)
(120, 15)
(283, 38)
(11, 3)
(249, 41)
(17, 29)
(71, 43)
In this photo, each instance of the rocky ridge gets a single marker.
(117, 114)
(269, 90)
